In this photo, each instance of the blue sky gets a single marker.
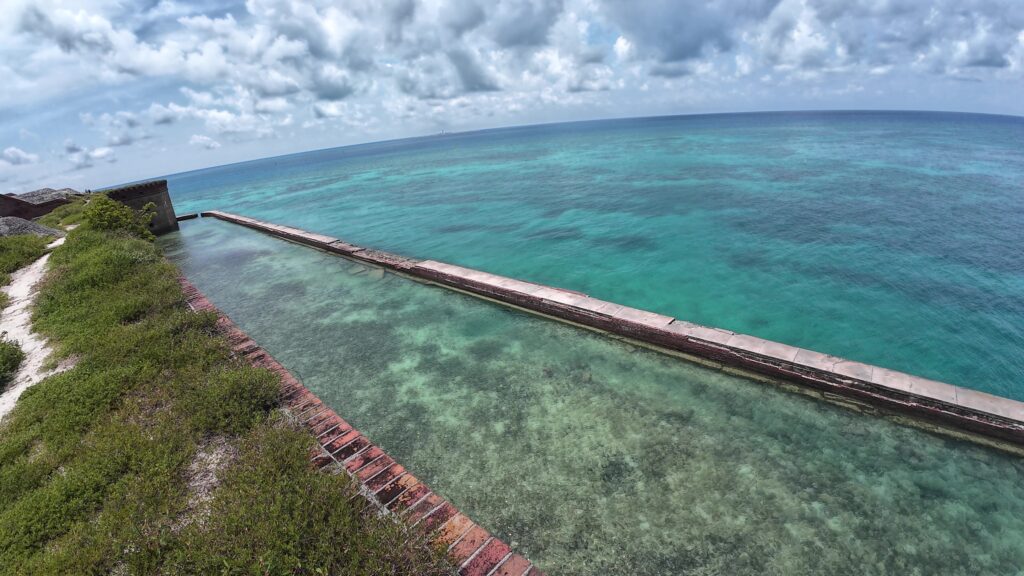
(100, 92)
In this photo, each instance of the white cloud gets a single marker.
(252, 72)
(204, 141)
(623, 48)
(160, 114)
(16, 156)
(82, 157)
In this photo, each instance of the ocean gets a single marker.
(892, 238)
(594, 457)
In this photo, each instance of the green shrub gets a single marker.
(102, 213)
(11, 357)
(233, 401)
(274, 514)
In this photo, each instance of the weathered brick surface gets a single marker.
(408, 498)
(326, 423)
(514, 565)
(425, 506)
(390, 493)
(353, 448)
(453, 529)
(340, 441)
(487, 559)
(363, 458)
(374, 468)
(385, 478)
(439, 516)
(394, 489)
(312, 412)
(470, 542)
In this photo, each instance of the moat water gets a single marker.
(890, 238)
(591, 456)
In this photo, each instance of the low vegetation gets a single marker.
(17, 252)
(66, 215)
(11, 357)
(98, 463)
(104, 214)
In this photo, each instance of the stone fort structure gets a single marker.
(138, 195)
(41, 202)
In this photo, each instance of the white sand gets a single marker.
(16, 320)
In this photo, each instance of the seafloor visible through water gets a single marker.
(591, 456)
(889, 238)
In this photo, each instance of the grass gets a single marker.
(17, 252)
(66, 215)
(95, 461)
(10, 359)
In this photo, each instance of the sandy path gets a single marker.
(16, 320)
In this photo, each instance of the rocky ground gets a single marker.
(12, 226)
(47, 194)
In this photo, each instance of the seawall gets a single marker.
(954, 409)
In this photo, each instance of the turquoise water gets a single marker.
(594, 457)
(890, 238)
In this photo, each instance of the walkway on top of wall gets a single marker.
(982, 417)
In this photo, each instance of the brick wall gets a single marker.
(13, 206)
(138, 195)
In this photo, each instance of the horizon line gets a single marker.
(447, 133)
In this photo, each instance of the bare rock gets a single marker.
(13, 226)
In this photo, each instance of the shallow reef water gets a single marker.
(593, 456)
(891, 238)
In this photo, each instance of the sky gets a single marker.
(102, 92)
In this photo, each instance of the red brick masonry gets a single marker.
(384, 482)
(14, 206)
(832, 377)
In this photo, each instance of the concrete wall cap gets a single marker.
(746, 342)
(853, 369)
(709, 334)
(779, 350)
(815, 360)
(983, 402)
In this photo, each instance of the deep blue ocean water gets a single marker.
(889, 238)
